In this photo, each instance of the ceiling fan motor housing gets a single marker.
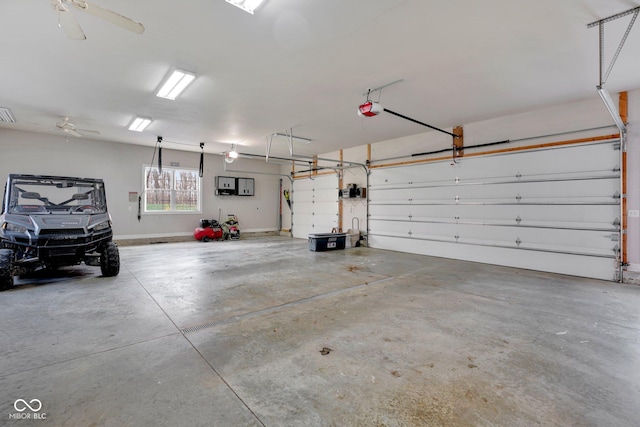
(370, 109)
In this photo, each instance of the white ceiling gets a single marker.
(304, 64)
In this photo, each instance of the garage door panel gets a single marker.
(569, 240)
(315, 205)
(599, 190)
(595, 160)
(597, 267)
(536, 201)
(576, 216)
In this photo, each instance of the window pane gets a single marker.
(186, 186)
(186, 200)
(158, 200)
(175, 190)
(156, 181)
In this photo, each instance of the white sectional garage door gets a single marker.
(555, 210)
(315, 205)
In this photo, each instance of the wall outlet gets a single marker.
(634, 213)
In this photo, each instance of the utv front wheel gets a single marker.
(110, 260)
(6, 269)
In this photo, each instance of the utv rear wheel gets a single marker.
(6, 269)
(110, 260)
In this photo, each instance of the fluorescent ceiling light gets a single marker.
(175, 84)
(6, 116)
(140, 124)
(246, 5)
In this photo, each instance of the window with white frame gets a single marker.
(173, 190)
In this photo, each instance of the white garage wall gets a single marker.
(120, 165)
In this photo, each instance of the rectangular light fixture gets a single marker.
(246, 5)
(6, 116)
(175, 84)
(140, 124)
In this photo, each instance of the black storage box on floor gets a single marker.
(326, 241)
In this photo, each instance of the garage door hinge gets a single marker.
(616, 169)
(615, 237)
(616, 222)
(518, 219)
(616, 195)
(518, 241)
(616, 146)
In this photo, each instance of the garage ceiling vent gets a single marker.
(6, 116)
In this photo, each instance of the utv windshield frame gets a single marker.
(33, 194)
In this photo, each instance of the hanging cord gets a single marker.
(160, 155)
(153, 157)
(201, 159)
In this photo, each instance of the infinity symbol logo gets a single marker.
(21, 405)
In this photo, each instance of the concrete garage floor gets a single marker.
(232, 334)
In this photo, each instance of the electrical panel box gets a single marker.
(225, 185)
(246, 187)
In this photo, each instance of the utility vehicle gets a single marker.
(52, 221)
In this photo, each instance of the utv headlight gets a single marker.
(7, 226)
(102, 226)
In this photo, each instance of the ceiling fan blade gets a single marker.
(69, 25)
(109, 15)
(72, 132)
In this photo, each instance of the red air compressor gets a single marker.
(209, 230)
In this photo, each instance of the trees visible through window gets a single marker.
(173, 190)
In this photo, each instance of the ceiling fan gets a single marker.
(70, 25)
(71, 129)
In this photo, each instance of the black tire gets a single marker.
(110, 260)
(6, 269)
